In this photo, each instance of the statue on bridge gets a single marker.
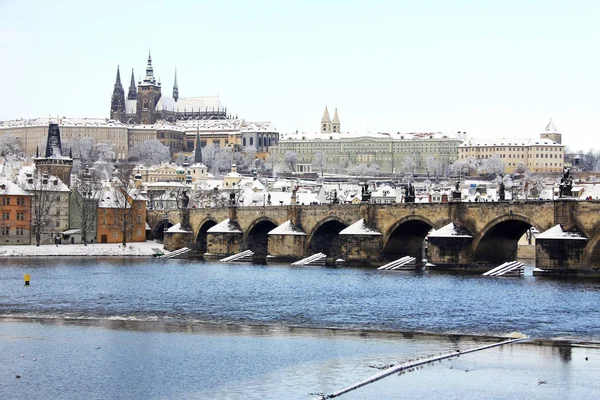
(232, 198)
(334, 199)
(365, 193)
(185, 199)
(409, 193)
(501, 192)
(566, 184)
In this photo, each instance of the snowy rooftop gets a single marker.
(372, 136)
(226, 226)
(206, 125)
(9, 188)
(359, 228)
(451, 230)
(62, 122)
(522, 142)
(557, 232)
(177, 229)
(266, 126)
(287, 228)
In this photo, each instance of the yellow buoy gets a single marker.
(27, 278)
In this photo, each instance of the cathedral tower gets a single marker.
(326, 122)
(175, 88)
(132, 95)
(148, 95)
(335, 124)
(117, 103)
(551, 133)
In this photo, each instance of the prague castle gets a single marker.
(146, 104)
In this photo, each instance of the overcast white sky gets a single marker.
(491, 68)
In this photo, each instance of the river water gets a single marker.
(155, 329)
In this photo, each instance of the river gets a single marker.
(147, 328)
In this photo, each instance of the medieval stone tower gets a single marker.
(54, 162)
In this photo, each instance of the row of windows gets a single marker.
(6, 201)
(5, 231)
(139, 220)
(6, 216)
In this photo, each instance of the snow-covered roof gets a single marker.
(177, 229)
(451, 230)
(287, 228)
(359, 228)
(557, 232)
(383, 136)
(11, 189)
(514, 142)
(210, 125)
(265, 126)
(226, 226)
(62, 121)
(189, 104)
(54, 184)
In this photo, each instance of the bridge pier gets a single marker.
(286, 243)
(450, 247)
(224, 239)
(361, 245)
(561, 253)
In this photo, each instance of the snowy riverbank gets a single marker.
(95, 250)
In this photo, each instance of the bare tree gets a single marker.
(123, 189)
(319, 161)
(44, 199)
(85, 195)
(408, 166)
(9, 145)
(217, 159)
(290, 159)
(433, 166)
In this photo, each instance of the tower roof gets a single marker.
(149, 78)
(326, 117)
(336, 119)
(551, 128)
(118, 80)
(198, 151)
(132, 95)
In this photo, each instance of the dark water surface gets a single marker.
(349, 298)
(177, 329)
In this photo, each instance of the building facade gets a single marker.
(543, 155)
(15, 211)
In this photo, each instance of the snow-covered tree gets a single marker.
(408, 166)
(319, 161)
(150, 152)
(433, 166)
(217, 159)
(492, 166)
(44, 199)
(521, 168)
(124, 211)
(591, 161)
(290, 159)
(9, 145)
(464, 167)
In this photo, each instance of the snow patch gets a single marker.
(287, 228)
(359, 228)
(557, 232)
(226, 226)
(177, 229)
(451, 230)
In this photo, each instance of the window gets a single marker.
(4, 231)
(20, 231)
(5, 216)
(139, 232)
(103, 221)
(6, 201)
(20, 201)
(20, 216)
(114, 235)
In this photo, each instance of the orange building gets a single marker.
(115, 219)
(15, 214)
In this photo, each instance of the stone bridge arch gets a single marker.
(256, 237)
(592, 252)
(406, 236)
(201, 236)
(497, 242)
(158, 232)
(324, 238)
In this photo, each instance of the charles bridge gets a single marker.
(476, 235)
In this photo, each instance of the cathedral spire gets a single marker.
(175, 88)
(149, 71)
(198, 152)
(132, 95)
(117, 103)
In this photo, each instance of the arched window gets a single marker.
(259, 141)
(251, 141)
(244, 142)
